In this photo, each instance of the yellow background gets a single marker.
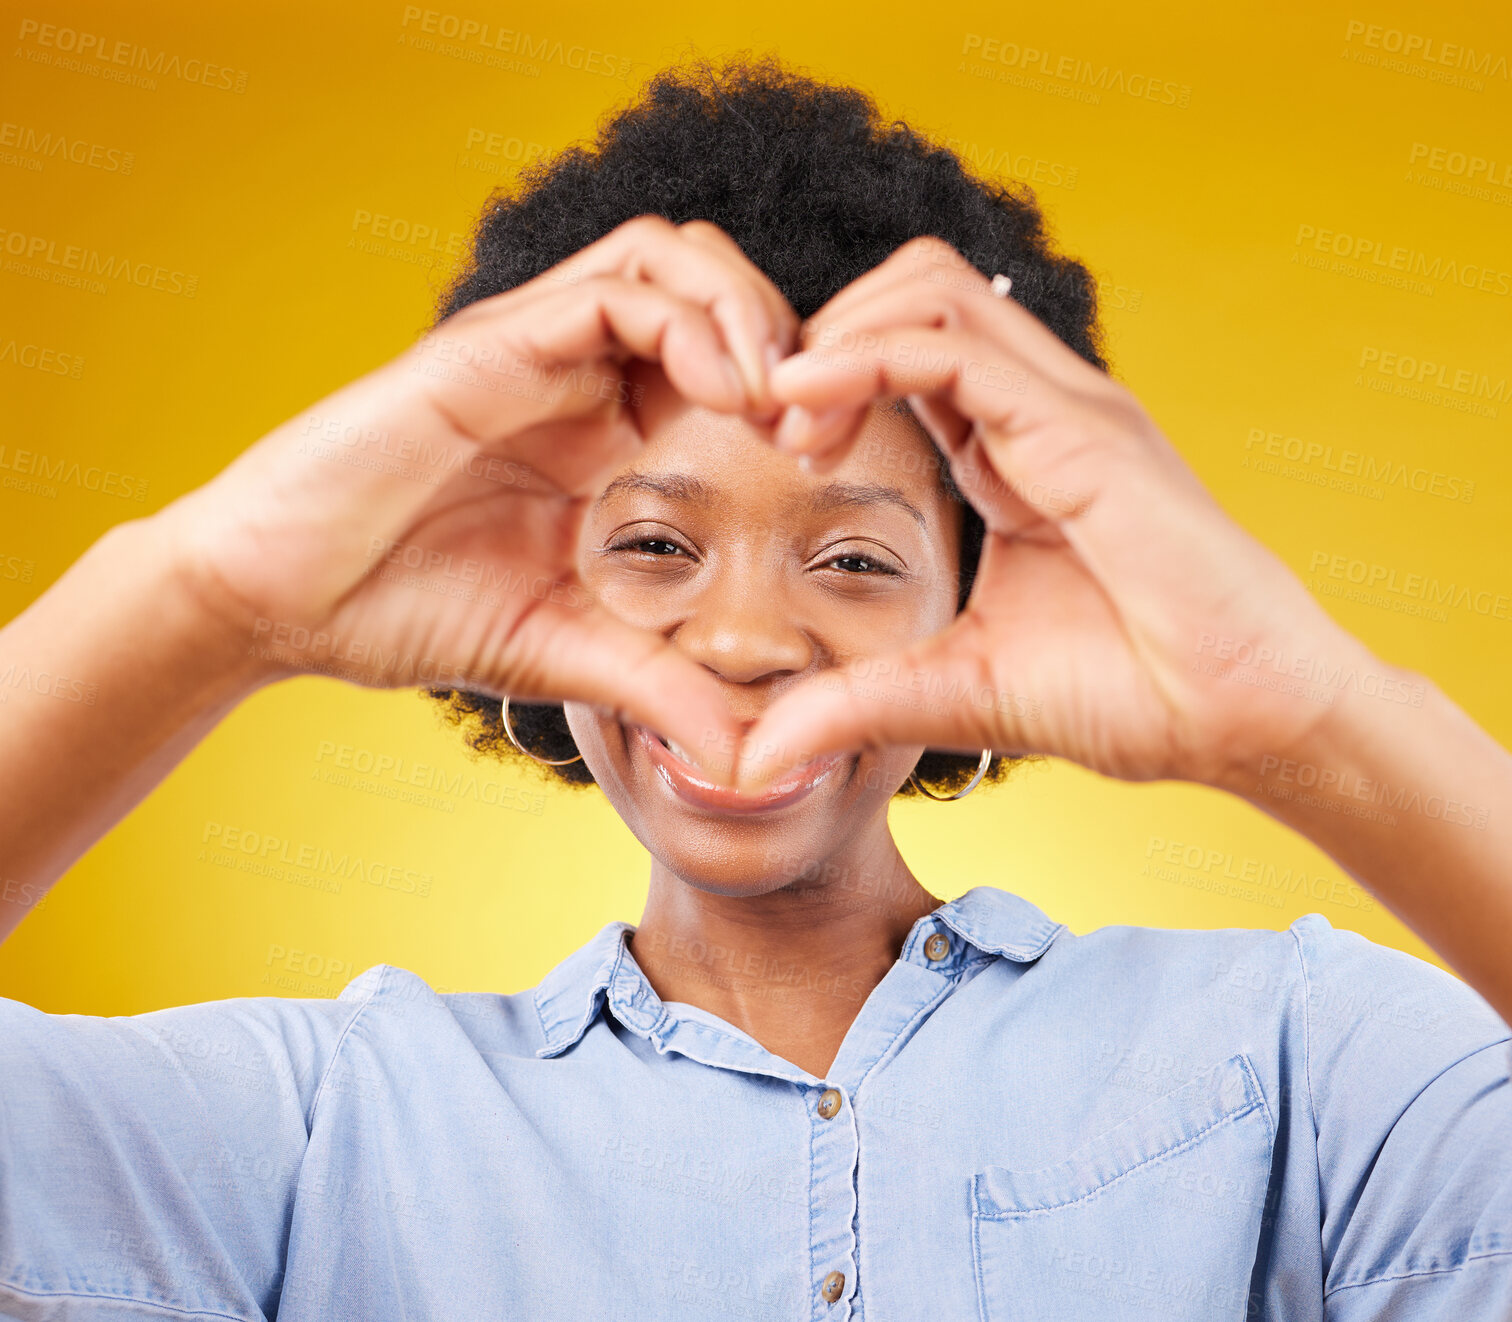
(1189, 215)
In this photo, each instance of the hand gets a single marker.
(420, 524)
(1117, 614)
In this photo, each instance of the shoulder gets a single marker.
(1355, 1006)
(243, 1050)
(386, 1000)
(1238, 965)
(1347, 979)
(1387, 1017)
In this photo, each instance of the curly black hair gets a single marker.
(816, 188)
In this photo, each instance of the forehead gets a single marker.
(717, 459)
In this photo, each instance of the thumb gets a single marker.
(936, 695)
(637, 675)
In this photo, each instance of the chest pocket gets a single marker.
(1157, 1218)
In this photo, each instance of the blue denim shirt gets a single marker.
(1021, 1123)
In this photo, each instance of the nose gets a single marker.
(742, 627)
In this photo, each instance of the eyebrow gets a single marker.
(682, 487)
(837, 495)
(686, 488)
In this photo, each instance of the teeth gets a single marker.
(676, 748)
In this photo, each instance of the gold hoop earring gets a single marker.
(545, 761)
(959, 794)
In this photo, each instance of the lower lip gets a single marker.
(693, 789)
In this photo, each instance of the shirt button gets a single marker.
(829, 1102)
(834, 1287)
(938, 946)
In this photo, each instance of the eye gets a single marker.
(862, 562)
(657, 546)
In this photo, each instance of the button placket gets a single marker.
(832, 1211)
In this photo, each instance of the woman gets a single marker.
(801, 1086)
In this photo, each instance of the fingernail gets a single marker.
(733, 379)
(796, 426)
(800, 426)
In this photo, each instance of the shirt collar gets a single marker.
(568, 998)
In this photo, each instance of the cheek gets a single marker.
(591, 733)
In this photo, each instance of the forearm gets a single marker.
(1416, 803)
(106, 682)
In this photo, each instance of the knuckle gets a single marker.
(602, 282)
(703, 229)
(930, 248)
(645, 226)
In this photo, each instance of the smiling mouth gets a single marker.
(692, 787)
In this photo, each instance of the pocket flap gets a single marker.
(1219, 1096)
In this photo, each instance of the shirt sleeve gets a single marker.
(1408, 1077)
(152, 1159)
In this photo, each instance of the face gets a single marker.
(765, 574)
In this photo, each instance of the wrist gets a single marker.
(186, 632)
(1356, 708)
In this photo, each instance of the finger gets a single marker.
(726, 284)
(560, 654)
(977, 403)
(972, 471)
(933, 694)
(544, 356)
(918, 258)
(906, 299)
(977, 379)
(1093, 467)
(783, 317)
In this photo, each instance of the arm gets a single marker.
(1120, 619)
(1416, 803)
(285, 562)
(125, 673)
(152, 1161)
